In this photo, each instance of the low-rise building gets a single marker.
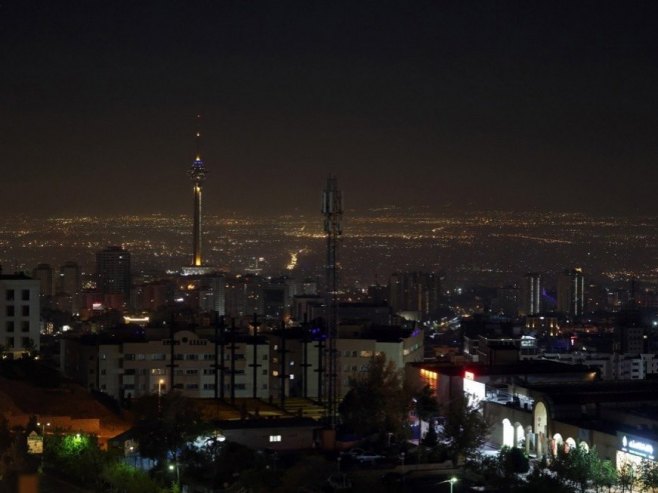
(134, 365)
(611, 366)
(540, 407)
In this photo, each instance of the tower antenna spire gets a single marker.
(197, 138)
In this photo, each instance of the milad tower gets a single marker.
(197, 174)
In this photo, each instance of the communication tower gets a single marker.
(197, 174)
(332, 209)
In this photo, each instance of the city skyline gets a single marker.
(457, 106)
(483, 248)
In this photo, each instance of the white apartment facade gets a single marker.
(353, 355)
(133, 369)
(611, 366)
(19, 314)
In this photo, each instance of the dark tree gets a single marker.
(431, 438)
(165, 424)
(426, 404)
(465, 429)
(376, 401)
(648, 472)
(579, 467)
(542, 481)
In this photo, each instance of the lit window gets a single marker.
(429, 378)
(275, 438)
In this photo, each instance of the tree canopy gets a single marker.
(648, 472)
(465, 430)
(165, 424)
(376, 401)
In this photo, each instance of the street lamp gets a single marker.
(173, 467)
(43, 428)
(451, 481)
(43, 438)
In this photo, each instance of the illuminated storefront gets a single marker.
(429, 378)
(474, 390)
(634, 449)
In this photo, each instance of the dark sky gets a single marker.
(480, 104)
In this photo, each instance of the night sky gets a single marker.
(460, 104)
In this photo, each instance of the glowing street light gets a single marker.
(160, 384)
(43, 428)
(174, 467)
(43, 438)
(451, 481)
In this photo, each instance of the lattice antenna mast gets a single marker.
(332, 209)
(197, 174)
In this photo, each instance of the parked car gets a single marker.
(368, 458)
(353, 452)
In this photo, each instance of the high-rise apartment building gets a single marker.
(68, 287)
(418, 292)
(69, 279)
(571, 292)
(113, 271)
(531, 293)
(212, 295)
(19, 314)
(44, 274)
(507, 301)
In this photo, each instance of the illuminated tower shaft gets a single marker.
(197, 174)
(196, 247)
(332, 209)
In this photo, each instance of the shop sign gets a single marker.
(637, 446)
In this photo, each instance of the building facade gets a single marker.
(416, 293)
(134, 368)
(571, 292)
(45, 275)
(113, 271)
(531, 294)
(19, 314)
